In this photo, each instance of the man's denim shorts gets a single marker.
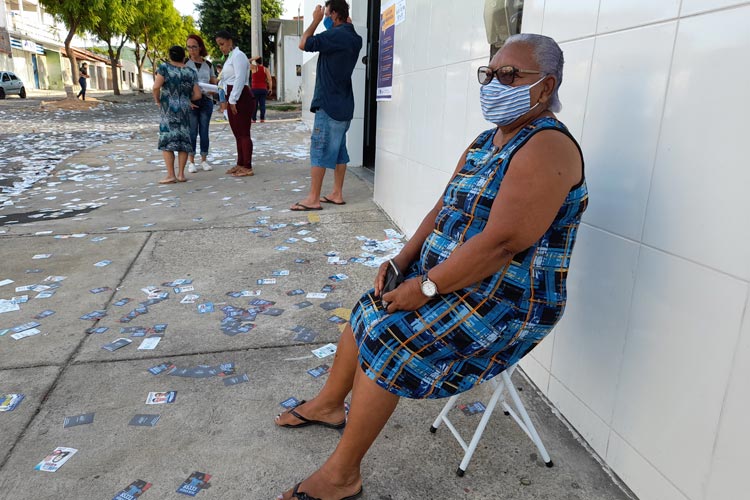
(328, 143)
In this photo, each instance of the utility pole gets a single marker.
(256, 27)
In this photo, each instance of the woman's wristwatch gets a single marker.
(429, 288)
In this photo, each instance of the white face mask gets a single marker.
(503, 104)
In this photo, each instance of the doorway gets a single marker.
(371, 83)
(36, 71)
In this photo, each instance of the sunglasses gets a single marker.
(505, 74)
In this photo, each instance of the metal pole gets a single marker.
(256, 27)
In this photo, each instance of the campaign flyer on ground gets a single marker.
(133, 490)
(56, 459)
(196, 482)
(158, 398)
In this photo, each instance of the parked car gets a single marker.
(11, 84)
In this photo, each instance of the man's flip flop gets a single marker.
(326, 199)
(301, 495)
(299, 207)
(307, 421)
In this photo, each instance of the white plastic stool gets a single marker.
(501, 383)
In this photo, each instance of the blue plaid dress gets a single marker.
(460, 339)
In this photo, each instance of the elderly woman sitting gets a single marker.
(485, 271)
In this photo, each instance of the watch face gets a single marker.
(429, 288)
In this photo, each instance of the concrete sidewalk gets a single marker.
(214, 230)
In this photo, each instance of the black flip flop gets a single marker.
(326, 199)
(301, 495)
(303, 208)
(307, 421)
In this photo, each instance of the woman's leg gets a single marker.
(240, 124)
(182, 157)
(169, 162)
(256, 94)
(194, 124)
(340, 476)
(204, 118)
(262, 104)
(328, 405)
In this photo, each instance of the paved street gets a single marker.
(84, 225)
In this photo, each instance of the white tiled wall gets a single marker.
(625, 14)
(651, 361)
(630, 85)
(701, 173)
(730, 459)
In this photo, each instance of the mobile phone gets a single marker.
(393, 277)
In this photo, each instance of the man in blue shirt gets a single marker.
(333, 102)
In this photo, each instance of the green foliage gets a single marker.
(151, 18)
(115, 18)
(102, 51)
(235, 16)
(78, 16)
(283, 107)
(175, 34)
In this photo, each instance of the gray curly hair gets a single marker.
(549, 57)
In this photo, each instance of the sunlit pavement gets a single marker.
(87, 205)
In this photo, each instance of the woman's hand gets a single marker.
(407, 297)
(383, 270)
(233, 107)
(380, 278)
(223, 106)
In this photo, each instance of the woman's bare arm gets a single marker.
(532, 192)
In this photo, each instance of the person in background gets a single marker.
(260, 83)
(83, 75)
(200, 118)
(485, 271)
(223, 106)
(174, 87)
(333, 100)
(241, 103)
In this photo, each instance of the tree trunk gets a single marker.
(139, 63)
(113, 58)
(115, 71)
(73, 63)
(152, 60)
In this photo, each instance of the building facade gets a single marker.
(651, 361)
(31, 45)
(286, 65)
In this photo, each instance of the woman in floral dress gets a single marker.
(175, 87)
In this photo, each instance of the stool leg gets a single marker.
(526, 420)
(439, 420)
(480, 429)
